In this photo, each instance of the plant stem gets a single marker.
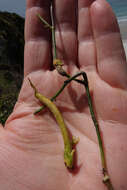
(45, 22)
(52, 28)
(53, 35)
(106, 178)
(59, 91)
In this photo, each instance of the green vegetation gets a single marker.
(11, 61)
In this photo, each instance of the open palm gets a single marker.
(31, 145)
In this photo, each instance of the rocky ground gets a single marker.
(11, 61)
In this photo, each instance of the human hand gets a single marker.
(31, 145)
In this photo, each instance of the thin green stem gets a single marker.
(106, 178)
(85, 83)
(45, 22)
(53, 35)
(60, 90)
(94, 121)
(52, 99)
(52, 27)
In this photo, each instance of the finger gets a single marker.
(65, 25)
(37, 36)
(111, 59)
(86, 54)
(1, 129)
(1, 126)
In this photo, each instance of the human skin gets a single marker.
(31, 146)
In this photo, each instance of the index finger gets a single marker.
(37, 53)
